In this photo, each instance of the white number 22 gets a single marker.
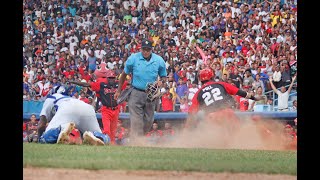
(210, 97)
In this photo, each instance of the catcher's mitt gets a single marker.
(153, 91)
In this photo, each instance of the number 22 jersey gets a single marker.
(213, 96)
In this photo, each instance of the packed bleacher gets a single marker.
(244, 41)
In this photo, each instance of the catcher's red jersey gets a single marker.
(213, 96)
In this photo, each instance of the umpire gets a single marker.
(144, 67)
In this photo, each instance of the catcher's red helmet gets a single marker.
(206, 74)
(111, 74)
(75, 137)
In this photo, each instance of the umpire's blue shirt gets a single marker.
(144, 71)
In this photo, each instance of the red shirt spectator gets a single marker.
(166, 101)
(86, 76)
(243, 103)
(83, 98)
(155, 131)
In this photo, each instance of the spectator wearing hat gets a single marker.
(145, 67)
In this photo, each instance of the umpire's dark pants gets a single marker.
(141, 113)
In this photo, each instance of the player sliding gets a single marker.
(215, 99)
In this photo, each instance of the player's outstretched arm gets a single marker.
(121, 82)
(84, 84)
(41, 125)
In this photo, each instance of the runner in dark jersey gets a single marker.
(215, 99)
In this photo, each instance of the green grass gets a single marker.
(149, 158)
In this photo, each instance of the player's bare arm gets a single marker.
(42, 125)
(84, 84)
(121, 81)
(247, 95)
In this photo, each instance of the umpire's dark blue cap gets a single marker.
(146, 43)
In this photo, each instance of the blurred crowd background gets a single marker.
(244, 41)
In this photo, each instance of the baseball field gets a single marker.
(47, 161)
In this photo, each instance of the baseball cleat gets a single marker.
(89, 138)
(64, 135)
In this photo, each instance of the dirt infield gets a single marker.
(32, 173)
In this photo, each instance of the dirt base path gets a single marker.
(32, 173)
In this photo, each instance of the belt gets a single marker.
(112, 108)
(139, 89)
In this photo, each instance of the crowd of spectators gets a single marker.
(243, 41)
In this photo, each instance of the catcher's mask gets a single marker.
(153, 91)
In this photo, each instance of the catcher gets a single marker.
(64, 115)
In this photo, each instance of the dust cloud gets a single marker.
(245, 133)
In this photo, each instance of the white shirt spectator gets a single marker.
(172, 28)
(257, 39)
(191, 76)
(80, 24)
(235, 10)
(133, 3)
(42, 86)
(126, 4)
(146, 3)
(226, 2)
(38, 13)
(85, 52)
(264, 58)
(100, 53)
(74, 37)
(110, 65)
(276, 76)
(256, 27)
(93, 36)
(87, 24)
(282, 100)
(31, 75)
(280, 39)
(64, 49)
(192, 92)
(72, 45)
